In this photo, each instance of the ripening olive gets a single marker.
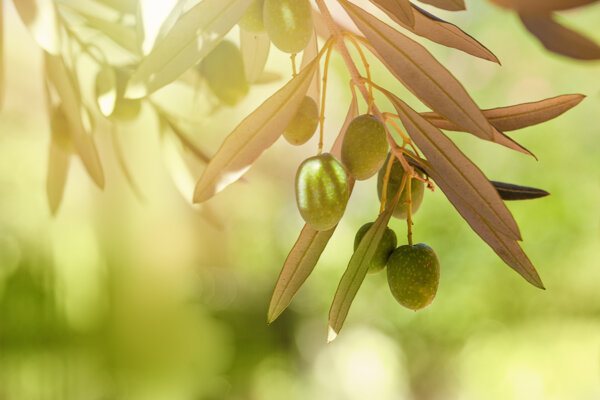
(252, 21)
(303, 125)
(364, 147)
(288, 23)
(321, 191)
(396, 174)
(386, 245)
(223, 69)
(413, 274)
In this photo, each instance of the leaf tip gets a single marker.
(331, 334)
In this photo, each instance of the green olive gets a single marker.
(364, 147)
(223, 69)
(321, 191)
(305, 122)
(396, 174)
(413, 274)
(386, 245)
(252, 21)
(288, 23)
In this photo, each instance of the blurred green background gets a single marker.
(116, 298)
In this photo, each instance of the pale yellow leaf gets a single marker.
(67, 89)
(41, 19)
(253, 136)
(106, 90)
(421, 73)
(192, 37)
(255, 52)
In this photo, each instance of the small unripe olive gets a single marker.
(386, 245)
(252, 21)
(413, 274)
(303, 125)
(288, 23)
(396, 174)
(223, 69)
(321, 191)
(364, 147)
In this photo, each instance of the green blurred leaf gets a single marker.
(560, 39)
(106, 90)
(421, 73)
(123, 35)
(257, 132)
(40, 17)
(303, 257)
(457, 170)
(518, 116)
(68, 91)
(58, 159)
(192, 37)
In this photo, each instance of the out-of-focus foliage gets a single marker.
(118, 299)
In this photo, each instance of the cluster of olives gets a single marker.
(322, 195)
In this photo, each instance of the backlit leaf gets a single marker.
(450, 5)
(518, 116)
(457, 170)
(41, 19)
(308, 55)
(439, 31)
(68, 91)
(421, 73)
(399, 10)
(194, 35)
(541, 6)
(560, 39)
(255, 52)
(59, 158)
(257, 132)
(308, 248)
(106, 90)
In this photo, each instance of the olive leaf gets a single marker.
(150, 29)
(257, 132)
(310, 53)
(421, 73)
(68, 91)
(194, 35)
(457, 170)
(357, 270)
(303, 257)
(541, 6)
(443, 32)
(510, 191)
(255, 51)
(41, 19)
(560, 39)
(124, 36)
(59, 158)
(120, 155)
(518, 116)
(399, 10)
(106, 89)
(450, 5)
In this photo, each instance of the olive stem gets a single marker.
(386, 179)
(352, 39)
(409, 222)
(293, 58)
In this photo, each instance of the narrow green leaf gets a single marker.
(510, 191)
(443, 32)
(67, 89)
(356, 271)
(518, 116)
(59, 158)
(560, 39)
(303, 257)
(450, 5)
(399, 10)
(255, 49)
(194, 35)
(457, 169)
(257, 132)
(421, 73)
(41, 19)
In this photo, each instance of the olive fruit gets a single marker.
(321, 191)
(417, 189)
(288, 23)
(364, 147)
(223, 69)
(304, 123)
(386, 245)
(252, 20)
(413, 274)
